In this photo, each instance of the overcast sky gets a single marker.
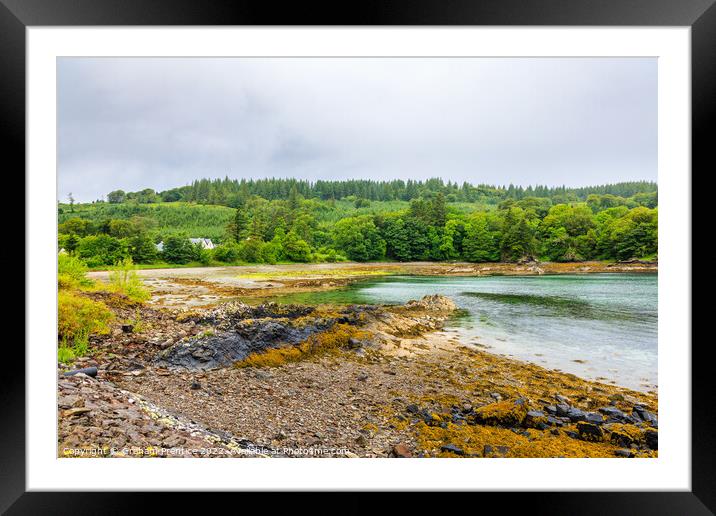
(159, 123)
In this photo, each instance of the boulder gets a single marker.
(502, 413)
(400, 451)
(574, 415)
(594, 418)
(624, 453)
(535, 419)
(589, 431)
(451, 448)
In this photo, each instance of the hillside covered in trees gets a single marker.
(289, 220)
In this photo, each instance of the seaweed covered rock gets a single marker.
(589, 431)
(432, 303)
(508, 413)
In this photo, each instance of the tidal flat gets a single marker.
(308, 360)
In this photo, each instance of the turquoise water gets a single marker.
(598, 326)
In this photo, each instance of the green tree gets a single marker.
(178, 249)
(359, 238)
(116, 196)
(294, 249)
(142, 249)
(480, 243)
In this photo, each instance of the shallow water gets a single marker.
(597, 326)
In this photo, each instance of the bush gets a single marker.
(295, 249)
(71, 272)
(78, 317)
(227, 253)
(101, 250)
(124, 279)
(178, 250)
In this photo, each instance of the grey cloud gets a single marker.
(145, 122)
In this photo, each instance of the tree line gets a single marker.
(295, 228)
(233, 192)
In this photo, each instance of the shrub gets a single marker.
(124, 278)
(102, 250)
(71, 272)
(227, 253)
(78, 317)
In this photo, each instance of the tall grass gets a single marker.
(124, 279)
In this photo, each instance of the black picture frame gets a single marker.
(700, 15)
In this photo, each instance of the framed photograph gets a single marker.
(269, 252)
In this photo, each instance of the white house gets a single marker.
(206, 243)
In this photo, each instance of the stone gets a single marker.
(362, 377)
(195, 386)
(624, 453)
(535, 419)
(612, 412)
(451, 448)
(594, 418)
(554, 421)
(551, 409)
(562, 409)
(496, 396)
(412, 409)
(651, 437)
(400, 451)
(621, 439)
(589, 431)
(561, 399)
(575, 415)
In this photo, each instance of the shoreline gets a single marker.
(408, 387)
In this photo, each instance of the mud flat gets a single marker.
(352, 381)
(206, 286)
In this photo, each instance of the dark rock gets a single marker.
(195, 386)
(127, 328)
(89, 371)
(624, 453)
(400, 451)
(621, 439)
(554, 421)
(575, 414)
(612, 412)
(412, 409)
(362, 377)
(644, 415)
(354, 343)
(651, 437)
(594, 418)
(535, 419)
(550, 409)
(451, 448)
(589, 431)
(562, 409)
